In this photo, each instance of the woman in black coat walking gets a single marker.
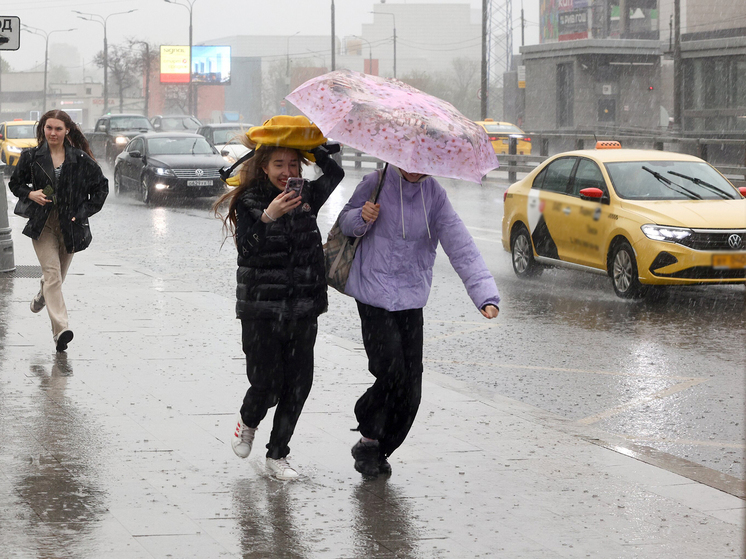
(65, 186)
(281, 279)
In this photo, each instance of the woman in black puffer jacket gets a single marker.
(281, 290)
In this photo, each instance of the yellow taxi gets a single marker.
(500, 133)
(642, 217)
(14, 136)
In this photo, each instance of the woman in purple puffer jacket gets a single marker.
(390, 279)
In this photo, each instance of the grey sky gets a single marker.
(161, 23)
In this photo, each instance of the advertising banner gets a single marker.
(211, 64)
(573, 25)
(174, 64)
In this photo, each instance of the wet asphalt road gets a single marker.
(666, 373)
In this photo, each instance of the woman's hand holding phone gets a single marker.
(282, 204)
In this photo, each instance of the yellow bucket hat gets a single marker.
(296, 132)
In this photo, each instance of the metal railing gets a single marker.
(551, 143)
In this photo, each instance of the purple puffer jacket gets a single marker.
(393, 266)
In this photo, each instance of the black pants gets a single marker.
(393, 343)
(279, 364)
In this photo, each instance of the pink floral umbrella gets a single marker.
(396, 123)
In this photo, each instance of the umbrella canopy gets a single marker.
(396, 123)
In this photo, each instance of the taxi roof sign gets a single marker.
(10, 32)
(607, 144)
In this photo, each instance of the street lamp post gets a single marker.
(334, 42)
(287, 59)
(370, 53)
(147, 74)
(102, 20)
(191, 101)
(46, 35)
(393, 16)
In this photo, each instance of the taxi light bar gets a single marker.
(606, 144)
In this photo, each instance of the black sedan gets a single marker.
(166, 163)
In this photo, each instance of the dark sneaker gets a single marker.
(366, 457)
(383, 466)
(63, 339)
(37, 303)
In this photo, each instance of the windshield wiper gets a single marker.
(700, 182)
(670, 184)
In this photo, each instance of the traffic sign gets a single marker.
(10, 32)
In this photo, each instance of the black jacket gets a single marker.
(80, 191)
(281, 274)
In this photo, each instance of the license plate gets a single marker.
(728, 261)
(199, 183)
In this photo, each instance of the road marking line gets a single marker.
(498, 240)
(559, 369)
(686, 442)
(498, 231)
(460, 333)
(616, 410)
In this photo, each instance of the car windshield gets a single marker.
(21, 131)
(179, 146)
(632, 182)
(130, 122)
(502, 129)
(176, 123)
(227, 135)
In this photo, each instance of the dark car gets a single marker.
(175, 123)
(113, 132)
(164, 163)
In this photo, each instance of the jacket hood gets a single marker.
(398, 172)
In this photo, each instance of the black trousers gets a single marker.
(393, 343)
(279, 364)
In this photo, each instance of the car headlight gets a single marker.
(121, 140)
(14, 149)
(164, 172)
(663, 233)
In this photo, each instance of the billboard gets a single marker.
(174, 64)
(211, 64)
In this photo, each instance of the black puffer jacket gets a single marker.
(81, 191)
(281, 273)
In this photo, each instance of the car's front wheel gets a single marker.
(624, 272)
(146, 190)
(117, 181)
(522, 252)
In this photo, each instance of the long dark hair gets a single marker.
(250, 174)
(74, 137)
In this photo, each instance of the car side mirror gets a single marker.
(592, 194)
(135, 154)
(742, 190)
(225, 153)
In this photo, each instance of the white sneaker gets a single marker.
(243, 438)
(280, 469)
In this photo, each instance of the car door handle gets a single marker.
(566, 211)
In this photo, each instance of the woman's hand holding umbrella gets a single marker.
(370, 212)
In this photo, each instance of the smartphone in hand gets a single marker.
(295, 184)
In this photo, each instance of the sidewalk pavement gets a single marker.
(120, 449)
